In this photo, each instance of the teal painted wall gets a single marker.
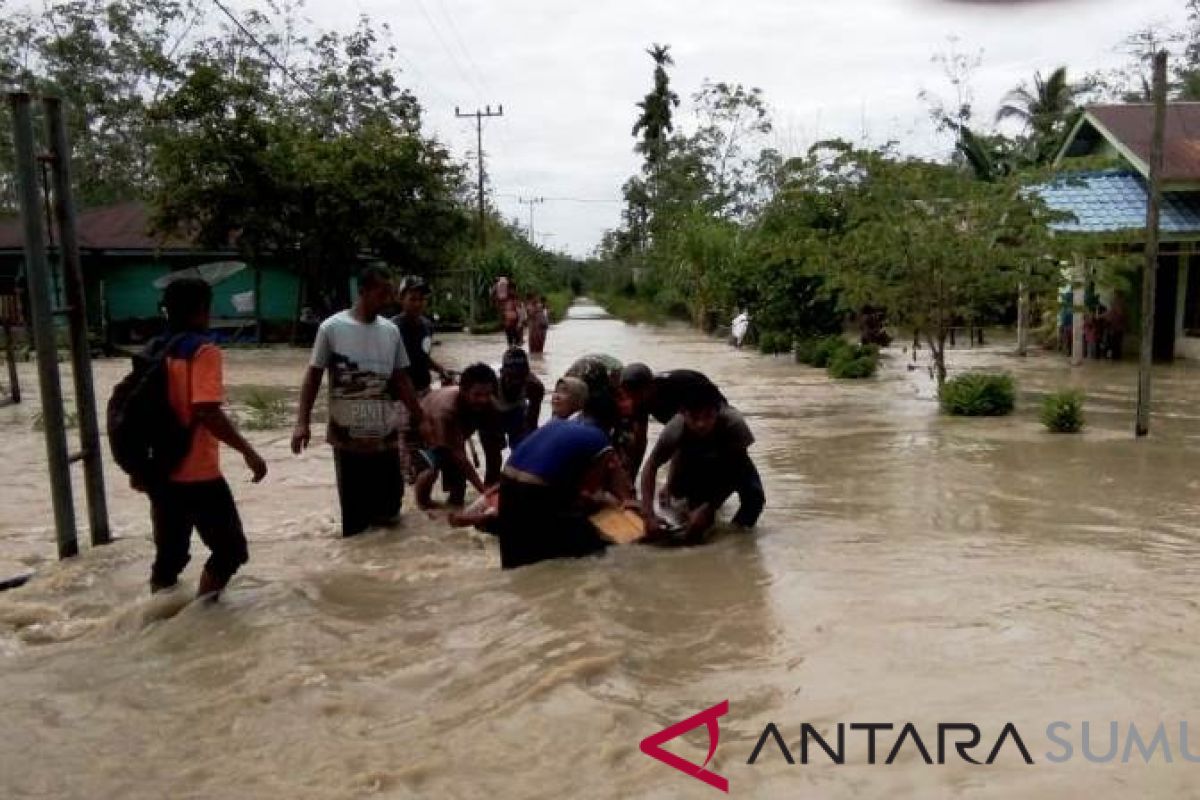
(130, 293)
(129, 290)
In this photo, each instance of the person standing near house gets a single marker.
(196, 494)
(1066, 318)
(366, 360)
(416, 331)
(1115, 321)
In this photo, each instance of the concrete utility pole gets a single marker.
(1150, 270)
(531, 202)
(479, 117)
(76, 312)
(42, 321)
(472, 289)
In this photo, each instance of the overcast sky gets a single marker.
(569, 73)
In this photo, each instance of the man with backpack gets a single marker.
(367, 364)
(169, 409)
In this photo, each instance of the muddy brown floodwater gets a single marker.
(908, 568)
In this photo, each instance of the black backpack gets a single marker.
(148, 440)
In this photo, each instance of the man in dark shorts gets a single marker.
(707, 446)
(196, 495)
(367, 363)
(452, 415)
(416, 331)
(543, 512)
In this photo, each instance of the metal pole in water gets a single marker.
(81, 357)
(43, 326)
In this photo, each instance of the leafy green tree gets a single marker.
(932, 245)
(317, 177)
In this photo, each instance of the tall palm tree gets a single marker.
(655, 121)
(1046, 110)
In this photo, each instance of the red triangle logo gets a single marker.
(652, 745)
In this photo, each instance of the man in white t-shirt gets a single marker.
(366, 360)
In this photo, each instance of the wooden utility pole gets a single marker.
(531, 202)
(1150, 270)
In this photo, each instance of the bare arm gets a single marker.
(616, 481)
(649, 478)
(459, 455)
(213, 418)
(302, 434)
(638, 449)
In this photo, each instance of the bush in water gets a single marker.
(978, 394)
(1062, 412)
(854, 363)
(773, 342)
(820, 351)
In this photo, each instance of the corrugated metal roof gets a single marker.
(125, 226)
(1133, 126)
(1113, 201)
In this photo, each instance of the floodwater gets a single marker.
(908, 568)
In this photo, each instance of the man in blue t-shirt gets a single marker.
(546, 489)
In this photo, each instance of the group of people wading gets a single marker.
(518, 316)
(390, 425)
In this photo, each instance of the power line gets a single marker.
(531, 202)
(483, 86)
(462, 73)
(463, 48)
(564, 199)
(263, 49)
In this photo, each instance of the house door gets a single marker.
(1166, 306)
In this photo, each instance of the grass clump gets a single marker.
(1062, 412)
(267, 409)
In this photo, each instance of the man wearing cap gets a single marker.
(416, 331)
